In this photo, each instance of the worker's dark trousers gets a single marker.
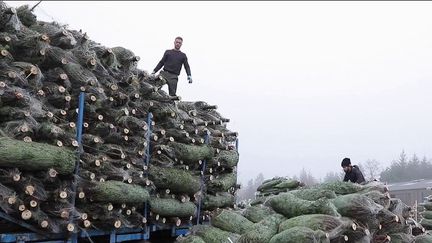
(172, 80)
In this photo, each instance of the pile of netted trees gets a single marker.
(426, 215)
(171, 161)
(329, 212)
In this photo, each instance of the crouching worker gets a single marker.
(352, 172)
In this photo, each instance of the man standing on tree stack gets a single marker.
(352, 172)
(172, 62)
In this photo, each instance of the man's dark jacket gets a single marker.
(172, 62)
(354, 175)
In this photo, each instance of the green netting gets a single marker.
(222, 183)
(170, 207)
(190, 239)
(231, 221)
(357, 206)
(257, 213)
(300, 234)
(427, 214)
(426, 238)
(313, 194)
(220, 200)
(313, 221)
(426, 223)
(402, 238)
(291, 206)
(262, 231)
(382, 199)
(340, 187)
(212, 234)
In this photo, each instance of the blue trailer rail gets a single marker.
(33, 234)
(119, 235)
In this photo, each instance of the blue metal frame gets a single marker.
(24, 237)
(203, 168)
(176, 231)
(147, 155)
(80, 121)
(20, 223)
(119, 235)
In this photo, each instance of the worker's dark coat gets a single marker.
(354, 175)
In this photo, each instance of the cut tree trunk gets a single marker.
(169, 207)
(177, 181)
(220, 200)
(118, 192)
(223, 183)
(192, 153)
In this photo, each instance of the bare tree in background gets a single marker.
(333, 176)
(371, 169)
(307, 178)
(258, 181)
(248, 191)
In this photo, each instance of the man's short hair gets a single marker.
(179, 38)
(346, 162)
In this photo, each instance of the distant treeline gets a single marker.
(405, 169)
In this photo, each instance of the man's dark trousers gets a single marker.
(172, 80)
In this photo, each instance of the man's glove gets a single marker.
(190, 79)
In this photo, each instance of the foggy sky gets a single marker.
(304, 83)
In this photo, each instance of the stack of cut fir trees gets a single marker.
(43, 69)
(287, 212)
(426, 215)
